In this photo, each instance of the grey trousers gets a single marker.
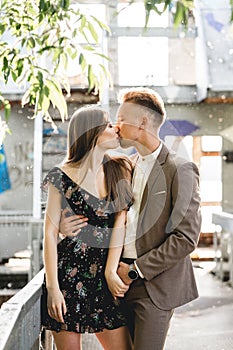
(148, 324)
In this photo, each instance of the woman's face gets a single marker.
(108, 139)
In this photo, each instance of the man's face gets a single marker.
(128, 122)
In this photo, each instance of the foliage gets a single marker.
(179, 8)
(38, 39)
(231, 4)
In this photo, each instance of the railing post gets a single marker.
(35, 239)
(37, 165)
(20, 318)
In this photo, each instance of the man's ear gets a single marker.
(143, 123)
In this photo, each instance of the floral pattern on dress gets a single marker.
(81, 261)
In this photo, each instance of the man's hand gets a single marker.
(71, 225)
(122, 272)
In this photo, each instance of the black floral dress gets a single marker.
(81, 262)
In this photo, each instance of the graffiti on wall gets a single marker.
(21, 168)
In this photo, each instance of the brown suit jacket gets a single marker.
(168, 230)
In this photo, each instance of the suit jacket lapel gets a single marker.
(157, 168)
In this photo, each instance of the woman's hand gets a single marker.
(122, 272)
(56, 304)
(116, 286)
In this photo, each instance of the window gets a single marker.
(208, 155)
(142, 60)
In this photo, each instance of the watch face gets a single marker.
(133, 275)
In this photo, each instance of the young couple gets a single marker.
(124, 263)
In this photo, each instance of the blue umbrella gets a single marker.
(4, 175)
(177, 128)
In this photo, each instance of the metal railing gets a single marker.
(20, 323)
(223, 244)
(33, 231)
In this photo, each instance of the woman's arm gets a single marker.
(56, 302)
(115, 284)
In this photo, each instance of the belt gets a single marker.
(128, 261)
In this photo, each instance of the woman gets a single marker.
(93, 185)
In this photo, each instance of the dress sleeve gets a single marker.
(55, 178)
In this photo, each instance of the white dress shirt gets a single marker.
(141, 174)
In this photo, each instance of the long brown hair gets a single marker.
(85, 126)
(118, 177)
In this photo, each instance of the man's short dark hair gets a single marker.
(144, 97)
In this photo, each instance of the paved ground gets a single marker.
(204, 324)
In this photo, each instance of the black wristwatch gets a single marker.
(132, 274)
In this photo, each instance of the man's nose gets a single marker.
(116, 127)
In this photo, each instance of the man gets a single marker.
(163, 224)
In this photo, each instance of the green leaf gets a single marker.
(64, 58)
(91, 78)
(7, 107)
(64, 4)
(72, 53)
(83, 23)
(166, 4)
(56, 54)
(40, 79)
(46, 91)
(2, 28)
(82, 62)
(31, 42)
(26, 98)
(23, 41)
(106, 72)
(6, 69)
(101, 24)
(7, 110)
(103, 56)
(45, 104)
(93, 32)
(14, 76)
(20, 67)
(40, 100)
(179, 14)
(5, 63)
(231, 4)
(57, 99)
(88, 48)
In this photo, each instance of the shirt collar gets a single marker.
(152, 156)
